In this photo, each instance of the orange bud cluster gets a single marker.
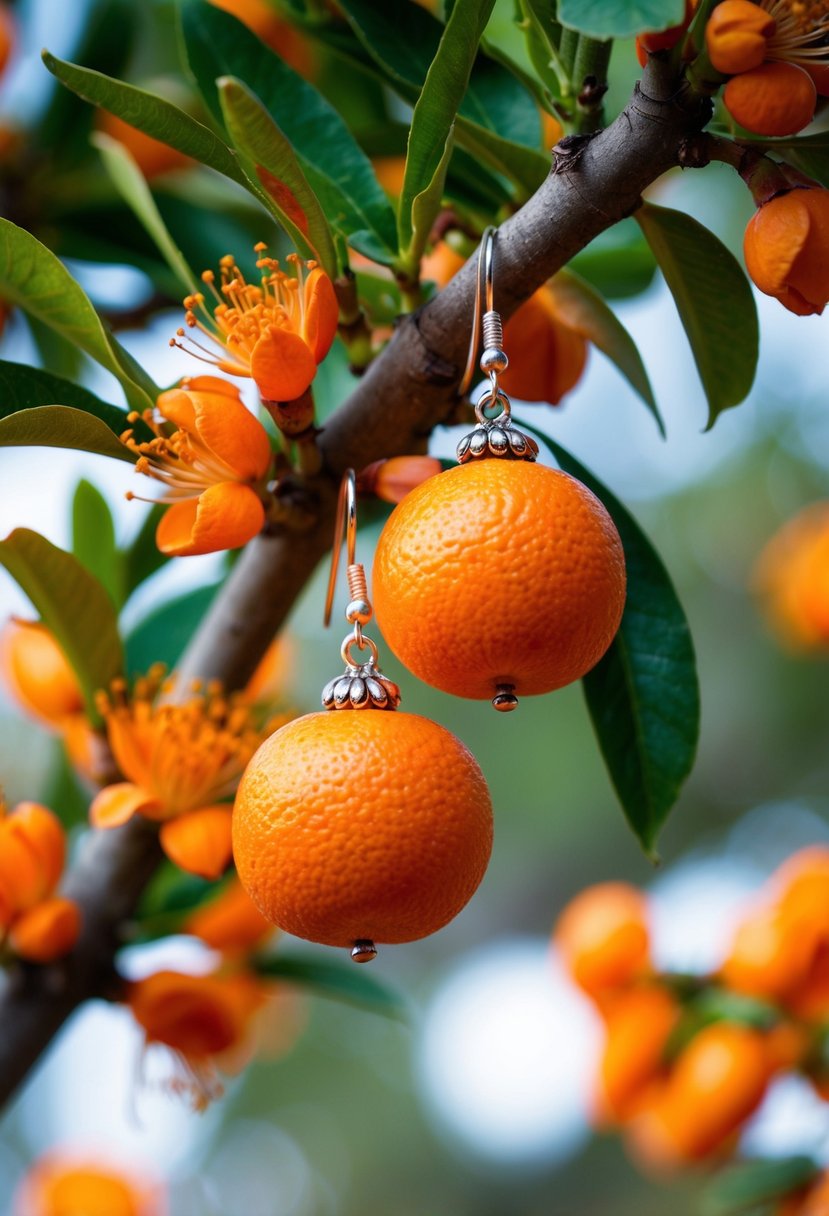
(688, 1059)
(787, 248)
(35, 923)
(776, 55)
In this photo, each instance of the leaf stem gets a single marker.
(590, 81)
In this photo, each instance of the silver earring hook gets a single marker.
(346, 519)
(486, 321)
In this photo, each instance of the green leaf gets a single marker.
(339, 173)
(274, 163)
(93, 539)
(342, 981)
(150, 114)
(162, 636)
(60, 426)
(584, 310)
(714, 300)
(618, 263)
(430, 135)
(73, 606)
(38, 282)
(809, 153)
(739, 1189)
(23, 387)
(619, 18)
(143, 557)
(402, 40)
(643, 696)
(131, 184)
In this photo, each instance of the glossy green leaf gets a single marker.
(23, 387)
(93, 539)
(162, 635)
(131, 184)
(738, 1190)
(342, 981)
(338, 171)
(143, 557)
(714, 300)
(619, 18)
(618, 263)
(72, 604)
(643, 696)
(433, 120)
(584, 310)
(498, 119)
(60, 426)
(272, 160)
(150, 114)
(38, 282)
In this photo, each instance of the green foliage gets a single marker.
(585, 310)
(399, 41)
(618, 263)
(433, 120)
(143, 557)
(714, 301)
(34, 279)
(73, 605)
(131, 184)
(643, 696)
(809, 153)
(93, 539)
(216, 45)
(162, 636)
(739, 1190)
(269, 157)
(341, 981)
(619, 18)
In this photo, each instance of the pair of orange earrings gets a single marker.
(495, 579)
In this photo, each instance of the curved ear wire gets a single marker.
(346, 519)
(484, 289)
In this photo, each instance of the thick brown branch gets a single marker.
(405, 393)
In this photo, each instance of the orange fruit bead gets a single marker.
(603, 937)
(499, 573)
(362, 826)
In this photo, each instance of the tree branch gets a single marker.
(408, 391)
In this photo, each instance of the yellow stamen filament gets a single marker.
(802, 31)
(243, 312)
(193, 753)
(184, 465)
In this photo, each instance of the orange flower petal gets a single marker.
(225, 516)
(47, 931)
(199, 841)
(118, 803)
(32, 853)
(230, 430)
(230, 922)
(774, 237)
(321, 313)
(737, 35)
(774, 99)
(176, 405)
(282, 365)
(36, 672)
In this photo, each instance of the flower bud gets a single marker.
(391, 480)
(37, 674)
(773, 99)
(737, 35)
(32, 852)
(46, 932)
(787, 248)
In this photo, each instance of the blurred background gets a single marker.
(480, 1104)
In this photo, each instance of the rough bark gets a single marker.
(407, 392)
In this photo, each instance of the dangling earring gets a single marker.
(502, 577)
(361, 824)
